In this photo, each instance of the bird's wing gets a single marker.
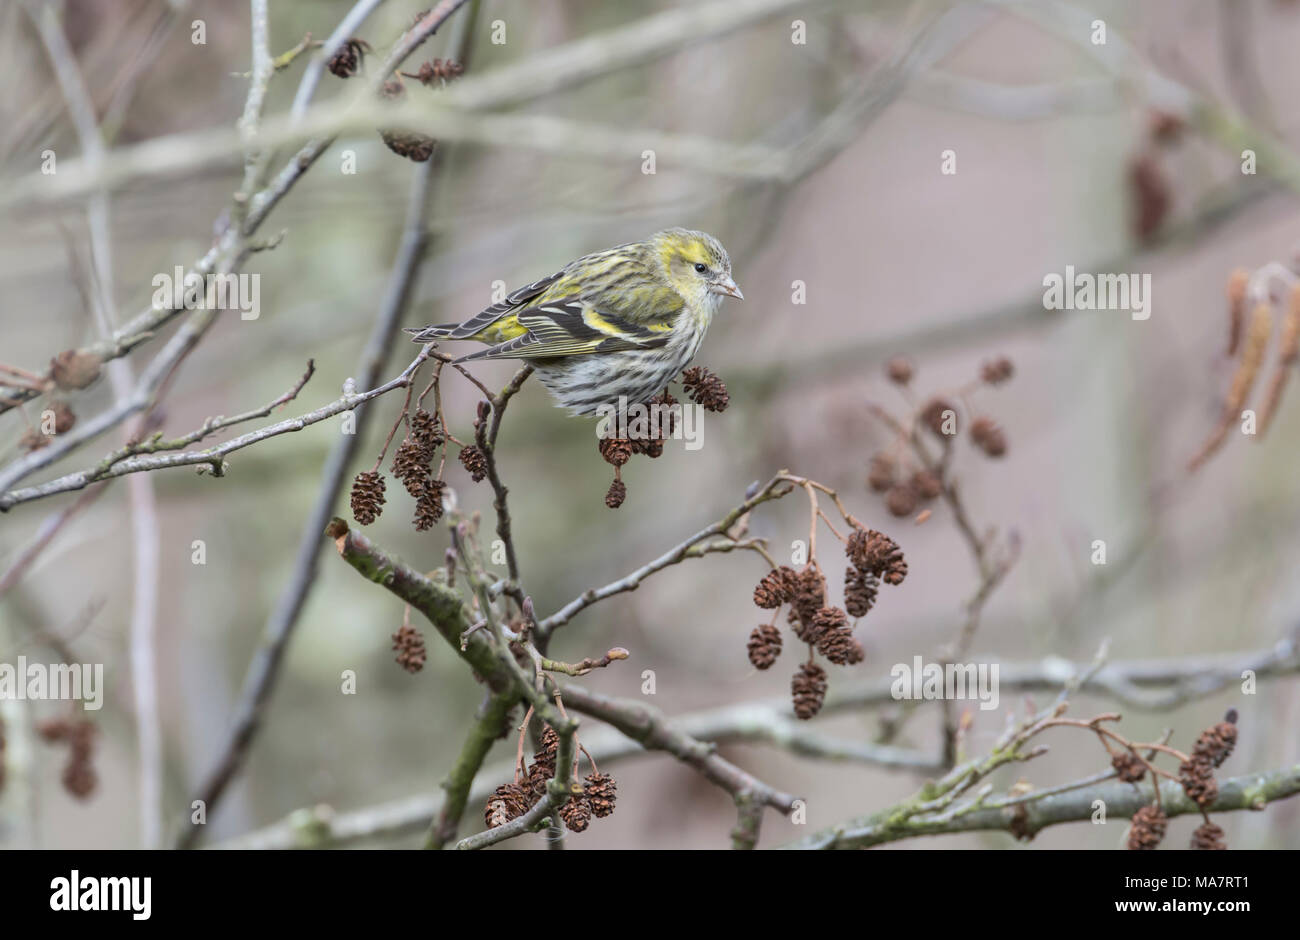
(485, 318)
(572, 328)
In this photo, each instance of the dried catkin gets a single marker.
(1287, 355)
(1252, 357)
(1237, 282)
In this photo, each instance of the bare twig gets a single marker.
(690, 548)
(44, 535)
(211, 457)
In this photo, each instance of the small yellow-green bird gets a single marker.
(619, 323)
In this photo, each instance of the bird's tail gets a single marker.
(427, 334)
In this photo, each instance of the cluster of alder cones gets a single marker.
(907, 481)
(1150, 191)
(34, 438)
(409, 645)
(413, 466)
(873, 557)
(1195, 774)
(511, 800)
(78, 735)
(701, 386)
(414, 146)
(69, 371)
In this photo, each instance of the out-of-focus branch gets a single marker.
(254, 206)
(44, 535)
(141, 398)
(1149, 685)
(649, 726)
(1240, 63)
(951, 332)
(771, 723)
(143, 504)
(637, 43)
(451, 116)
(1273, 156)
(1031, 102)
(264, 669)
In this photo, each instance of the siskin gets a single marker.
(616, 324)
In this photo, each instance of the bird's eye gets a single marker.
(701, 267)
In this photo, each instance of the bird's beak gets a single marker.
(728, 287)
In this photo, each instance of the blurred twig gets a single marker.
(143, 504)
(264, 669)
(44, 535)
(847, 358)
(460, 114)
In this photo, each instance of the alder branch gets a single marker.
(157, 443)
(649, 726)
(485, 436)
(1179, 680)
(771, 722)
(775, 488)
(1249, 791)
(211, 457)
(444, 609)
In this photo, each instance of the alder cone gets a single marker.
(808, 689)
(764, 646)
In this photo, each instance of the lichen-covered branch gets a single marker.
(483, 733)
(1249, 791)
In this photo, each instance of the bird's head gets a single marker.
(696, 265)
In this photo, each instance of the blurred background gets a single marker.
(1065, 154)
